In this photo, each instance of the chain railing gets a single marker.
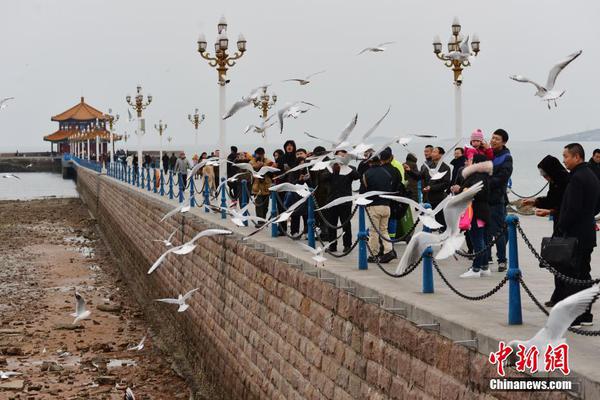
(324, 219)
(408, 270)
(488, 246)
(528, 197)
(483, 296)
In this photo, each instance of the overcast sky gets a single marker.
(54, 51)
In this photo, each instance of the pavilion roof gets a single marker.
(80, 112)
(65, 134)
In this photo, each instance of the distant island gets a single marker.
(585, 136)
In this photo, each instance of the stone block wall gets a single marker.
(261, 329)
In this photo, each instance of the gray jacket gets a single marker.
(182, 165)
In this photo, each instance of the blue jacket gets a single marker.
(503, 168)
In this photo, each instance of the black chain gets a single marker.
(465, 296)
(578, 331)
(408, 270)
(332, 253)
(527, 197)
(401, 239)
(559, 275)
(488, 246)
(329, 224)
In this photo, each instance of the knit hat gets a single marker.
(477, 134)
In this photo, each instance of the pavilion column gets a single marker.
(88, 150)
(97, 148)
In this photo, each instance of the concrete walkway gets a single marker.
(459, 319)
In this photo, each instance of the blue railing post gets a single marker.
(223, 199)
(274, 227)
(162, 183)
(206, 192)
(143, 177)
(420, 191)
(138, 172)
(427, 264)
(128, 174)
(192, 191)
(148, 180)
(362, 239)
(515, 316)
(171, 184)
(154, 182)
(310, 220)
(181, 188)
(244, 199)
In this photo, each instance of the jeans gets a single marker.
(497, 220)
(477, 236)
(380, 216)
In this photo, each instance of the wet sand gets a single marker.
(49, 248)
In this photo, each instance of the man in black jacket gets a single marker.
(581, 202)
(594, 163)
(503, 167)
(437, 189)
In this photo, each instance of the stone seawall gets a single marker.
(261, 329)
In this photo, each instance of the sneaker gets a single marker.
(471, 274)
(346, 249)
(485, 272)
(586, 320)
(387, 257)
(575, 324)
(501, 266)
(372, 259)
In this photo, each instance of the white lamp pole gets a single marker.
(196, 119)
(139, 105)
(160, 128)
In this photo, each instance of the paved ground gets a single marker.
(459, 319)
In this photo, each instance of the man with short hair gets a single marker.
(437, 189)
(594, 163)
(581, 202)
(458, 163)
(181, 167)
(503, 167)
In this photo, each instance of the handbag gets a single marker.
(559, 252)
(464, 224)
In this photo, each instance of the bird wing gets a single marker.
(405, 200)
(237, 106)
(170, 301)
(293, 80)
(297, 204)
(210, 232)
(80, 305)
(129, 394)
(559, 67)
(280, 116)
(189, 294)
(4, 100)
(318, 138)
(374, 127)
(425, 136)
(415, 248)
(384, 44)
(347, 130)
(306, 247)
(246, 166)
(284, 187)
(313, 74)
(338, 201)
(172, 212)
(162, 258)
(563, 314)
(388, 144)
(464, 46)
(266, 169)
(522, 79)
(457, 205)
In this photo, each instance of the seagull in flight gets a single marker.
(559, 320)
(304, 81)
(424, 136)
(548, 93)
(341, 142)
(8, 374)
(292, 110)
(245, 101)
(434, 173)
(183, 208)
(463, 53)
(260, 128)
(234, 178)
(377, 49)
(180, 300)
(238, 217)
(426, 215)
(4, 102)
(139, 346)
(10, 176)
(361, 199)
(318, 252)
(212, 161)
(80, 310)
(301, 190)
(168, 241)
(129, 394)
(187, 247)
(29, 165)
(452, 238)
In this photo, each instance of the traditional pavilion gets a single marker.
(81, 131)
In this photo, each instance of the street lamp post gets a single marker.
(111, 120)
(139, 105)
(264, 103)
(222, 61)
(457, 61)
(160, 128)
(125, 137)
(196, 119)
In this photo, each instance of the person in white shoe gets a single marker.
(478, 169)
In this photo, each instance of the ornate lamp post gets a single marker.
(222, 61)
(160, 128)
(457, 61)
(196, 119)
(111, 121)
(264, 103)
(125, 137)
(139, 105)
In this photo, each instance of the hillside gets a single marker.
(585, 136)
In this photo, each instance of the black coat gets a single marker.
(559, 179)
(581, 202)
(339, 185)
(439, 187)
(503, 167)
(595, 167)
(472, 174)
(378, 178)
(457, 165)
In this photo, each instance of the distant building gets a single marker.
(79, 127)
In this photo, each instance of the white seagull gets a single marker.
(238, 217)
(129, 394)
(4, 102)
(180, 300)
(80, 310)
(10, 176)
(168, 241)
(547, 93)
(212, 161)
(260, 128)
(304, 81)
(318, 252)
(361, 199)
(234, 178)
(434, 173)
(341, 142)
(377, 49)
(426, 215)
(284, 216)
(8, 374)
(139, 346)
(182, 208)
(292, 110)
(560, 319)
(397, 139)
(187, 247)
(245, 101)
(302, 190)
(452, 238)
(29, 166)
(260, 174)
(463, 53)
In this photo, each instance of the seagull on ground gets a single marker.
(304, 81)
(180, 300)
(187, 247)
(4, 102)
(8, 374)
(80, 310)
(168, 241)
(434, 173)
(318, 252)
(547, 93)
(139, 346)
(10, 176)
(377, 49)
(559, 320)
(452, 238)
(292, 110)
(361, 199)
(245, 101)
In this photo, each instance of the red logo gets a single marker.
(555, 358)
